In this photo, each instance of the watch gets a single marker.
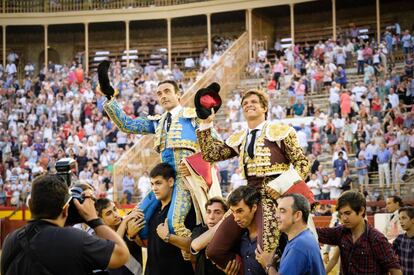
(167, 238)
(268, 268)
(95, 223)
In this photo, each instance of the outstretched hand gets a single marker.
(104, 83)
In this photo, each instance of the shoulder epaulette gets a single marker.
(189, 112)
(277, 131)
(236, 138)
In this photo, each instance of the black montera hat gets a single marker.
(207, 98)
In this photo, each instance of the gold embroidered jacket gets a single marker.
(275, 149)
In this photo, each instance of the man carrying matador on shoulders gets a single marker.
(271, 160)
(176, 141)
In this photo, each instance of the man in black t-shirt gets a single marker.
(127, 228)
(201, 236)
(164, 249)
(45, 246)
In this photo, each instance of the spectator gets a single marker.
(236, 180)
(127, 228)
(340, 165)
(2, 196)
(144, 185)
(57, 247)
(402, 166)
(128, 186)
(406, 42)
(383, 160)
(315, 185)
(379, 259)
(334, 185)
(393, 227)
(403, 244)
(201, 236)
(362, 171)
(302, 254)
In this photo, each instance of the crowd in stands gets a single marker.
(368, 127)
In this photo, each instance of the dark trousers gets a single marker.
(361, 66)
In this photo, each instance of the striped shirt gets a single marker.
(404, 247)
(371, 254)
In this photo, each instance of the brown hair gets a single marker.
(263, 98)
(219, 200)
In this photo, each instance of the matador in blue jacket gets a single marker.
(175, 140)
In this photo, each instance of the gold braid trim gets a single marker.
(189, 112)
(295, 155)
(277, 131)
(213, 149)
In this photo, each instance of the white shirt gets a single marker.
(358, 91)
(315, 186)
(144, 186)
(338, 122)
(189, 62)
(394, 100)
(206, 63)
(237, 181)
(402, 164)
(278, 112)
(258, 133)
(334, 97)
(11, 68)
(334, 187)
(360, 55)
(262, 54)
(303, 141)
(373, 149)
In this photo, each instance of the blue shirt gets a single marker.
(340, 165)
(302, 256)
(247, 252)
(383, 156)
(361, 163)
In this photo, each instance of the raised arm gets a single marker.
(125, 123)
(212, 148)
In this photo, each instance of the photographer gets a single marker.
(45, 246)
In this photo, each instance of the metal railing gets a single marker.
(139, 158)
(33, 6)
(227, 71)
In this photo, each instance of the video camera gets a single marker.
(67, 168)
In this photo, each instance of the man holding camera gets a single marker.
(45, 246)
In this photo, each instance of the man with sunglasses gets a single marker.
(45, 246)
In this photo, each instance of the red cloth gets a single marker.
(201, 167)
(208, 102)
(303, 189)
